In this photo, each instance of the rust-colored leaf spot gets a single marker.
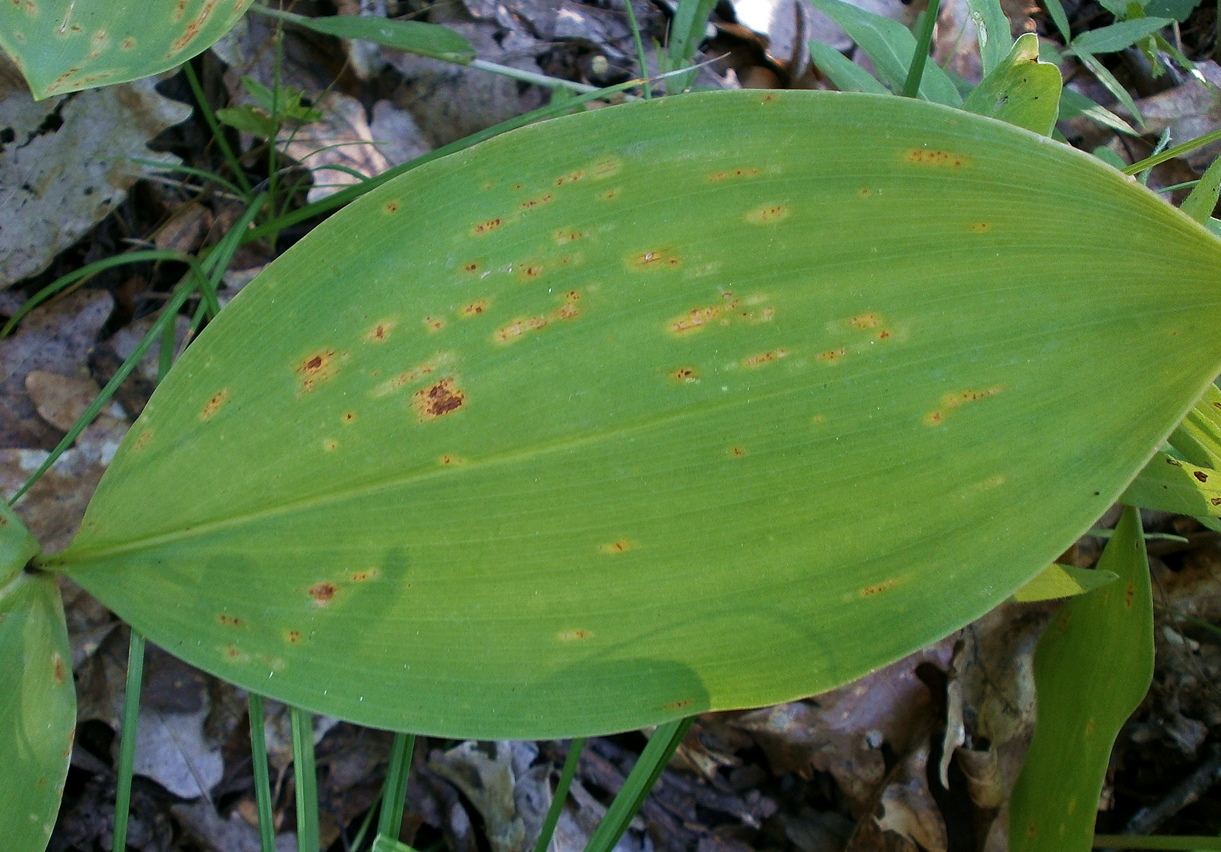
(349, 417)
(883, 334)
(1216, 501)
(610, 194)
(292, 637)
(392, 207)
(227, 620)
(568, 309)
(471, 266)
(214, 404)
(979, 227)
(767, 99)
(865, 192)
(232, 652)
(473, 309)
(767, 214)
(58, 670)
(330, 445)
(955, 400)
(831, 356)
(438, 400)
(530, 271)
(322, 593)
(317, 368)
(764, 358)
(934, 157)
(695, 319)
(659, 258)
(934, 418)
(1089, 726)
(877, 588)
(1200, 475)
(674, 706)
(434, 323)
(606, 167)
(487, 227)
(731, 174)
(1129, 595)
(568, 235)
(380, 332)
(685, 375)
(520, 327)
(127, 43)
(448, 460)
(575, 635)
(737, 451)
(531, 203)
(571, 177)
(616, 547)
(864, 321)
(365, 575)
(143, 441)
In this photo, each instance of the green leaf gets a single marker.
(1170, 485)
(1179, 10)
(248, 119)
(687, 29)
(1020, 90)
(66, 45)
(652, 410)
(890, 46)
(416, 37)
(1112, 85)
(1198, 437)
(1092, 667)
(1119, 35)
(1203, 199)
(995, 37)
(1056, 9)
(1062, 581)
(37, 700)
(843, 72)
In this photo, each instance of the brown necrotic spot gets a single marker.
(519, 327)
(658, 258)
(878, 588)
(127, 43)
(767, 214)
(317, 368)
(229, 620)
(448, 460)
(58, 670)
(365, 576)
(736, 451)
(831, 356)
(392, 207)
(434, 323)
(1129, 595)
(933, 418)
(438, 400)
(864, 321)
(379, 332)
(292, 637)
(575, 635)
(730, 174)
(1200, 475)
(530, 271)
(685, 375)
(616, 547)
(606, 167)
(330, 444)
(764, 358)
(674, 706)
(214, 404)
(322, 593)
(934, 157)
(487, 226)
(571, 177)
(143, 441)
(979, 227)
(568, 235)
(473, 309)
(531, 203)
(471, 266)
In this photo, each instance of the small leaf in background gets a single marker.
(994, 36)
(1062, 581)
(1198, 437)
(890, 46)
(843, 72)
(37, 697)
(1172, 485)
(1117, 36)
(1203, 199)
(562, 451)
(1020, 90)
(1092, 669)
(66, 45)
(1176, 9)
(416, 37)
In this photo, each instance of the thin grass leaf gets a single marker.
(417, 37)
(305, 779)
(641, 437)
(1112, 85)
(1171, 153)
(686, 31)
(1202, 201)
(652, 763)
(1092, 667)
(642, 59)
(394, 792)
(1059, 18)
(1198, 437)
(1073, 103)
(1062, 581)
(127, 738)
(262, 778)
(924, 38)
(552, 819)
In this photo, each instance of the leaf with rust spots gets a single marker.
(769, 517)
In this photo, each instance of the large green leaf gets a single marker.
(37, 701)
(704, 402)
(65, 45)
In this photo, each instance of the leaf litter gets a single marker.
(920, 754)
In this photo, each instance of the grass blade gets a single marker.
(305, 777)
(127, 738)
(394, 792)
(561, 795)
(262, 778)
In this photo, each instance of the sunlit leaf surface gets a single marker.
(65, 45)
(705, 402)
